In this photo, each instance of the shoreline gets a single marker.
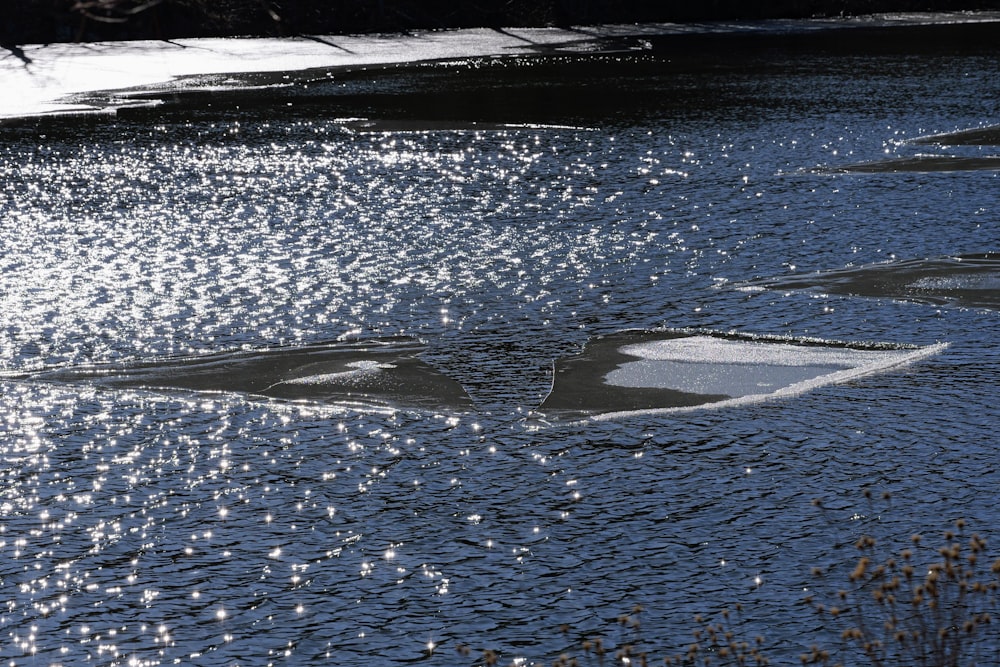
(102, 77)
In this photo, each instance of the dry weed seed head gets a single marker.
(859, 570)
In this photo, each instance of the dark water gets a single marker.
(543, 203)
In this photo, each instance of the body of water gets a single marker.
(423, 244)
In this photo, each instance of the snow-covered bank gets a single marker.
(82, 78)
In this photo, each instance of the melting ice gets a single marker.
(669, 371)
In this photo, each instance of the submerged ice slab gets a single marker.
(977, 136)
(980, 136)
(379, 373)
(653, 372)
(919, 164)
(971, 281)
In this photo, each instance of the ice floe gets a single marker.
(976, 136)
(971, 281)
(659, 372)
(384, 372)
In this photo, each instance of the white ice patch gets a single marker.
(969, 281)
(746, 371)
(732, 380)
(363, 368)
(715, 350)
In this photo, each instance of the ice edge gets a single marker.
(796, 389)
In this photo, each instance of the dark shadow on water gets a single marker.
(322, 40)
(382, 373)
(971, 281)
(590, 42)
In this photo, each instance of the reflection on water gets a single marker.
(972, 281)
(379, 371)
(662, 372)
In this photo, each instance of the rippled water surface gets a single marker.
(502, 213)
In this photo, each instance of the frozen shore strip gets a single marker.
(82, 78)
